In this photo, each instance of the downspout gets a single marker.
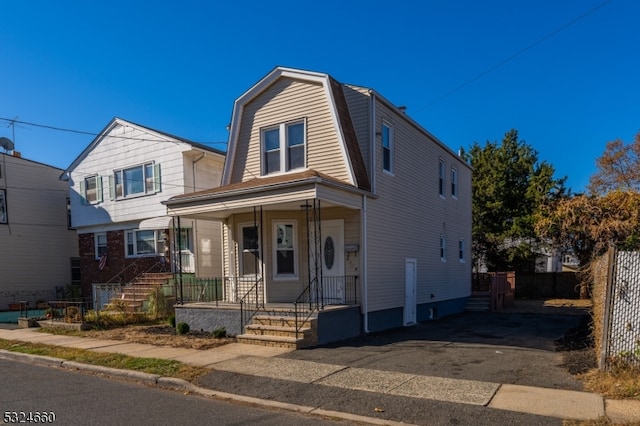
(365, 292)
(364, 227)
(195, 222)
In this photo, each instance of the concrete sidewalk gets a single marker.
(262, 363)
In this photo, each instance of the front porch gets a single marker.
(275, 324)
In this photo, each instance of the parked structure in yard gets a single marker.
(117, 185)
(38, 249)
(337, 205)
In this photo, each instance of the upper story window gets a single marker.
(443, 248)
(441, 177)
(91, 189)
(3, 207)
(461, 250)
(387, 148)
(144, 243)
(143, 179)
(454, 182)
(283, 148)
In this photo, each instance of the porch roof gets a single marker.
(280, 192)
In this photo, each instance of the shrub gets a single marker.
(219, 333)
(182, 328)
(172, 320)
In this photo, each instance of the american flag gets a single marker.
(103, 262)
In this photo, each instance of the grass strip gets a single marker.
(162, 367)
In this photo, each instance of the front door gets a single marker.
(332, 254)
(185, 250)
(410, 292)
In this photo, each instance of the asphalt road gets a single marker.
(83, 399)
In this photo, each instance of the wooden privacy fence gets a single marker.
(548, 285)
(499, 286)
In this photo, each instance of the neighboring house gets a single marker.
(333, 196)
(38, 249)
(116, 188)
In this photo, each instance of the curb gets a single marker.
(183, 385)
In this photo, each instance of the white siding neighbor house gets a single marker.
(335, 205)
(117, 185)
(37, 245)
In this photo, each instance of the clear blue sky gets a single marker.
(568, 86)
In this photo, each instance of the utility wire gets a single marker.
(518, 53)
(81, 132)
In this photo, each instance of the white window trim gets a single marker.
(83, 190)
(461, 251)
(241, 227)
(454, 183)
(443, 248)
(95, 242)
(391, 170)
(283, 147)
(442, 178)
(274, 227)
(156, 236)
(113, 190)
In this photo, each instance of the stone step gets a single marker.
(273, 341)
(282, 321)
(274, 330)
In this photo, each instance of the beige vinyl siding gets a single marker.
(414, 230)
(285, 101)
(208, 236)
(36, 244)
(359, 102)
(287, 290)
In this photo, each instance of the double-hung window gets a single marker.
(443, 248)
(91, 189)
(461, 250)
(140, 243)
(3, 207)
(387, 148)
(143, 179)
(283, 148)
(441, 177)
(285, 249)
(100, 241)
(454, 182)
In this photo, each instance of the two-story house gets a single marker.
(117, 185)
(38, 249)
(335, 201)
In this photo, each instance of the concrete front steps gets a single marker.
(134, 295)
(478, 303)
(279, 330)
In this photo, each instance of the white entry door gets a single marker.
(410, 291)
(332, 250)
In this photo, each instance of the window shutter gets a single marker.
(99, 189)
(83, 195)
(157, 181)
(112, 188)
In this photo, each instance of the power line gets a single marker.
(518, 53)
(12, 122)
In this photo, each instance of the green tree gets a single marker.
(509, 185)
(609, 215)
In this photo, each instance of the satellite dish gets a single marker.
(6, 144)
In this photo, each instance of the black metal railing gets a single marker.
(341, 290)
(196, 289)
(251, 302)
(70, 311)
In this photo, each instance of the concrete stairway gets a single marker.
(478, 303)
(279, 330)
(135, 294)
